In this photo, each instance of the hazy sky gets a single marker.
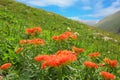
(89, 11)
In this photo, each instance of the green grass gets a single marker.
(16, 17)
(110, 23)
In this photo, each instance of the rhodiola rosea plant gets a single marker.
(57, 59)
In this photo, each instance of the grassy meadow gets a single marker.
(59, 49)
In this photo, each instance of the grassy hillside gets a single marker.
(110, 23)
(16, 17)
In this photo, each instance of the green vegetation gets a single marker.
(16, 17)
(110, 23)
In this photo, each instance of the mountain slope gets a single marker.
(15, 17)
(110, 23)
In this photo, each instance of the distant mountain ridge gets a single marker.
(110, 23)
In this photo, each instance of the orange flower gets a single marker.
(37, 29)
(77, 50)
(73, 36)
(44, 65)
(112, 63)
(101, 64)
(23, 42)
(36, 41)
(34, 30)
(55, 38)
(61, 57)
(18, 50)
(60, 37)
(107, 75)
(96, 54)
(68, 55)
(41, 57)
(63, 52)
(29, 31)
(90, 64)
(107, 60)
(53, 61)
(5, 66)
(68, 33)
(64, 36)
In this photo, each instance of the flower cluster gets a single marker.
(65, 36)
(77, 50)
(101, 64)
(61, 57)
(107, 75)
(33, 31)
(5, 66)
(18, 50)
(112, 63)
(90, 64)
(96, 54)
(35, 41)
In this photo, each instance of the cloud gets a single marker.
(89, 22)
(101, 11)
(85, 1)
(92, 9)
(116, 3)
(59, 3)
(86, 8)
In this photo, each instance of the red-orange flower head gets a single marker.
(23, 42)
(41, 57)
(61, 57)
(33, 31)
(90, 64)
(60, 37)
(64, 36)
(77, 50)
(107, 75)
(71, 34)
(68, 33)
(112, 63)
(74, 36)
(68, 55)
(18, 50)
(35, 41)
(56, 38)
(5, 66)
(44, 65)
(107, 60)
(53, 61)
(96, 54)
(101, 64)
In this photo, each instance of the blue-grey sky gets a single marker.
(89, 11)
